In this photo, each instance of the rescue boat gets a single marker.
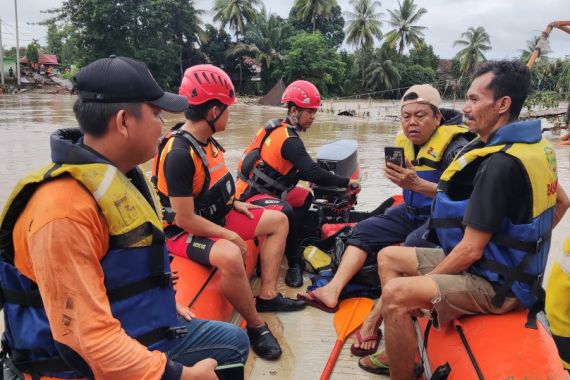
(489, 347)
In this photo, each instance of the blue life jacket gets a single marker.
(136, 268)
(515, 258)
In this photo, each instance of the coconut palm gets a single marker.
(235, 13)
(382, 72)
(531, 45)
(310, 10)
(364, 25)
(405, 31)
(265, 38)
(475, 42)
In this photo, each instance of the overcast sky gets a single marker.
(510, 23)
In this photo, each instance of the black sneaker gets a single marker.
(279, 303)
(263, 343)
(294, 276)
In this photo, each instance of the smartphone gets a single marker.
(395, 155)
(230, 371)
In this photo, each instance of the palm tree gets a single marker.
(310, 10)
(405, 32)
(531, 45)
(382, 72)
(364, 25)
(265, 37)
(476, 41)
(235, 13)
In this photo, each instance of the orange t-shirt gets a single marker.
(60, 239)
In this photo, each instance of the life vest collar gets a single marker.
(526, 132)
(67, 147)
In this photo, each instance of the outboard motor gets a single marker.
(333, 204)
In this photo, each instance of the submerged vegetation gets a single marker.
(257, 48)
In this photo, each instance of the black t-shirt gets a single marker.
(179, 169)
(500, 189)
(293, 150)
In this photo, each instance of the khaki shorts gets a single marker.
(459, 294)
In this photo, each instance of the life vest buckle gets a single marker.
(177, 332)
(166, 280)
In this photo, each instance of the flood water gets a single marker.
(27, 120)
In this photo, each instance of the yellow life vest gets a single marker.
(125, 209)
(558, 303)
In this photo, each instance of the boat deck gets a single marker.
(307, 338)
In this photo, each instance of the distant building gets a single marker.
(43, 59)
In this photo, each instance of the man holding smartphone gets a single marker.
(427, 145)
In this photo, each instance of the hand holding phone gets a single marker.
(395, 155)
(230, 371)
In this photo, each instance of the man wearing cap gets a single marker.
(430, 144)
(85, 278)
(493, 214)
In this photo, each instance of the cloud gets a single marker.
(510, 23)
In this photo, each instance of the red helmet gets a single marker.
(206, 82)
(304, 94)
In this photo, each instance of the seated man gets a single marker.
(79, 296)
(209, 227)
(557, 291)
(493, 215)
(277, 159)
(430, 144)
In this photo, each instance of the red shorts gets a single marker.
(197, 248)
(296, 197)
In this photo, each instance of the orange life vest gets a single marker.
(213, 187)
(262, 168)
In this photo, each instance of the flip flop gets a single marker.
(312, 300)
(380, 368)
(362, 352)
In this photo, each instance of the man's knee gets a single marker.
(396, 294)
(276, 220)
(226, 256)
(388, 256)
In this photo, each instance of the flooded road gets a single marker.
(27, 120)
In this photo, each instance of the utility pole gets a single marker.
(17, 44)
(1, 56)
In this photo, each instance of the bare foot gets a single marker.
(325, 296)
(369, 328)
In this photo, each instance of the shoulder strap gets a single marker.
(195, 145)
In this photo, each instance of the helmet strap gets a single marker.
(212, 123)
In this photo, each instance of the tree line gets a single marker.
(390, 51)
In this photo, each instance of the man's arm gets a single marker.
(293, 150)
(466, 252)
(562, 204)
(407, 178)
(65, 256)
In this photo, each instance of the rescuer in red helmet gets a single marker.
(204, 221)
(271, 168)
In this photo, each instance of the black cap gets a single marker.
(124, 80)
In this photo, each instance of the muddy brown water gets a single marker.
(27, 120)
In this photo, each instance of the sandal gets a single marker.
(357, 351)
(380, 368)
